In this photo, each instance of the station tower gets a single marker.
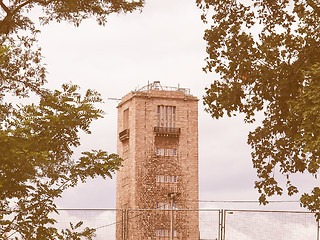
(157, 187)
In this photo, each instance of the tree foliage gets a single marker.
(37, 141)
(267, 54)
(36, 147)
(23, 70)
(73, 11)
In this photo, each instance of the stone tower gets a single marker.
(158, 183)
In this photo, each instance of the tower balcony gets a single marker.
(124, 135)
(167, 131)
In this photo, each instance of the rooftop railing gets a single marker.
(158, 87)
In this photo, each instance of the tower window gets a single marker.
(166, 179)
(171, 152)
(165, 233)
(168, 152)
(162, 152)
(126, 118)
(166, 116)
(162, 179)
(166, 206)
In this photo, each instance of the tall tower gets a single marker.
(158, 140)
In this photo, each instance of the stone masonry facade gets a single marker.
(158, 140)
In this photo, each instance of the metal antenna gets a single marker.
(114, 99)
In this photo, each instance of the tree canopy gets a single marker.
(267, 54)
(22, 69)
(36, 147)
(37, 141)
(73, 11)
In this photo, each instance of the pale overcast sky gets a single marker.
(162, 43)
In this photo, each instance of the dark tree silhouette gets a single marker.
(267, 54)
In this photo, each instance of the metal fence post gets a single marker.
(224, 225)
(124, 229)
(122, 222)
(318, 228)
(222, 222)
(219, 228)
(171, 221)
(127, 225)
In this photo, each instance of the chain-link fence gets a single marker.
(102, 220)
(207, 224)
(266, 225)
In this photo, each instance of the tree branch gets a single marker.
(4, 7)
(7, 23)
(21, 6)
